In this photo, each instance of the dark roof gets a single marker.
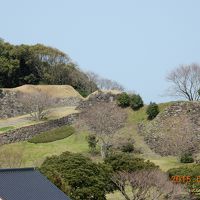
(27, 184)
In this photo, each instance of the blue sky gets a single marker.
(133, 42)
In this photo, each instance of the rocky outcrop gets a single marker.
(25, 133)
(174, 131)
(97, 97)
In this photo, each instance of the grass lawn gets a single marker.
(34, 154)
(115, 196)
(53, 135)
(7, 128)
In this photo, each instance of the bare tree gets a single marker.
(104, 119)
(11, 158)
(93, 78)
(147, 185)
(186, 81)
(37, 104)
(104, 83)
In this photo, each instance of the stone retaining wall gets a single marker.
(97, 98)
(25, 133)
(10, 105)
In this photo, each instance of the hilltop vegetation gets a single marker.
(39, 64)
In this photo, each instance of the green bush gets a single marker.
(78, 176)
(127, 147)
(152, 111)
(123, 100)
(92, 143)
(136, 101)
(186, 158)
(53, 135)
(127, 162)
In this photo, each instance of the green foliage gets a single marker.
(136, 101)
(186, 158)
(7, 128)
(53, 135)
(37, 64)
(92, 142)
(127, 147)
(78, 176)
(123, 100)
(189, 170)
(127, 162)
(152, 111)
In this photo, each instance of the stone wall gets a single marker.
(97, 98)
(69, 101)
(175, 130)
(25, 133)
(9, 104)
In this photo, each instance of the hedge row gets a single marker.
(53, 135)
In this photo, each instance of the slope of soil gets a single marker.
(56, 91)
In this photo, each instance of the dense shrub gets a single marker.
(127, 147)
(186, 158)
(127, 162)
(53, 135)
(152, 111)
(123, 100)
(136, 101)
(78, 176)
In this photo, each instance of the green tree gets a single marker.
(79, 176)
(128, 163)
(39, 64)
(152, 110)
(123, 100)
(187, 158)
(136, 101)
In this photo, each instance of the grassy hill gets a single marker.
(34, 153)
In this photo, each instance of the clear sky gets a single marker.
(135, 42)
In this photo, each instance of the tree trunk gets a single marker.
(103, 150)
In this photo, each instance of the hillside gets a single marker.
(55, 91)
(175, 130)
(40, 64)
(35, 153)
